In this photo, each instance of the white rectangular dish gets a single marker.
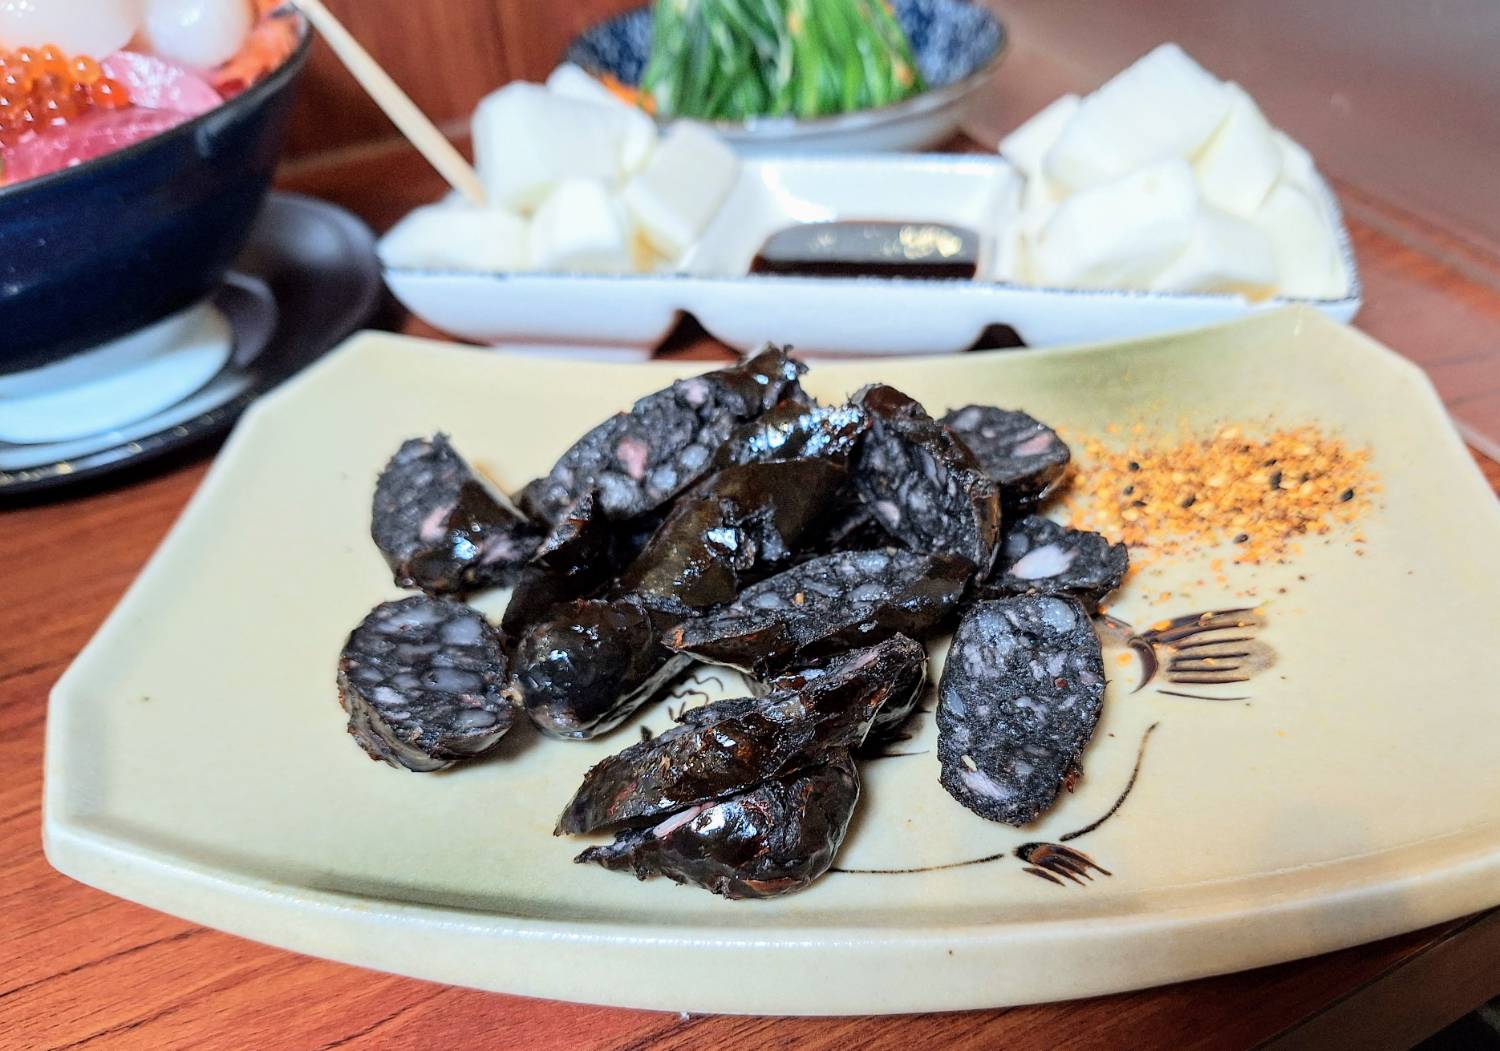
(630, 314)
(197, 759)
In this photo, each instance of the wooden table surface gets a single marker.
(81, 968)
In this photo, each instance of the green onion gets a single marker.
(735, 59)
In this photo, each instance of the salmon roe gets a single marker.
(44, 87)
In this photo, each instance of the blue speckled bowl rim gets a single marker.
(799, 127)
(251, 97)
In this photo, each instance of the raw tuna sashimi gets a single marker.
(84, 139)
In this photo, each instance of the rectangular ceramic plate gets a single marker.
(632, 313)
(197, 760)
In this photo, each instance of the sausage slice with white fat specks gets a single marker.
(922, 484)
(441, 527)
(421, 679)
(1022, 454)
(642, 459)
(828, 605)
(1041, 557)
(1018, 700)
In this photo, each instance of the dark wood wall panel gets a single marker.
(535, 32)
(445, 53)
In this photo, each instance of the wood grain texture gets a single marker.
(536, 35)
(79, 968)
(445, 54)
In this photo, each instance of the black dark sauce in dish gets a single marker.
(861, 248)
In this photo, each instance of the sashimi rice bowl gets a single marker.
(83, 78)
(137, 141)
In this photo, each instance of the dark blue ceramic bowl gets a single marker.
(95, 251)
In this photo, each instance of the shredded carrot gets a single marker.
(627, 93)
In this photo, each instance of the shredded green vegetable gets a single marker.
(735, 59)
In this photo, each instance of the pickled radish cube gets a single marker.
(1027, 146)
(198, 33)
(1297, 165)
(456, 237)
(1303, 244)
(1040, 197)
(581, 227)
(1164, 106)
(681, 188)
(1225, 254)
(78, 27)
(1009, 262)
(1242, 161)
(574, 82)
(527, 140)
(1119, 234)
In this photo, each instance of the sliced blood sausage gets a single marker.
(850, 527)
(922, 484)
(727, 747)
(440, 527)
(899, 660)
(573, 561)
(1022, 454)
(421, 680)
(1041, 557)
(641, 459)
(1018, 700)
(589, 665)
(827, 605)
(793, 430)
(739, 525)
(773, 839)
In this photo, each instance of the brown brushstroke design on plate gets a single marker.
(1202, 650)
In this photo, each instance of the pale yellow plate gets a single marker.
(197, 760)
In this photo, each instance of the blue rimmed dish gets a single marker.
(957, 45)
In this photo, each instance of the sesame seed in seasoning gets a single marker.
(1258, 488)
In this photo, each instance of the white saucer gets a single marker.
(117, 384)
(306, 278)
(138, 385)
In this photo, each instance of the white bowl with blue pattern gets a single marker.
(957, 45)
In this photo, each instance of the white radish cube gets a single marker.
(1028, 145)
(574, 82)
(1242, 161)
(1164, 106)
(1302, 241)
(456, 237)
(527, 140)
(1120, 234)
(1297, 165)
(581, 228)
(1225, 254)
(681, 187)
(1040, 197)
